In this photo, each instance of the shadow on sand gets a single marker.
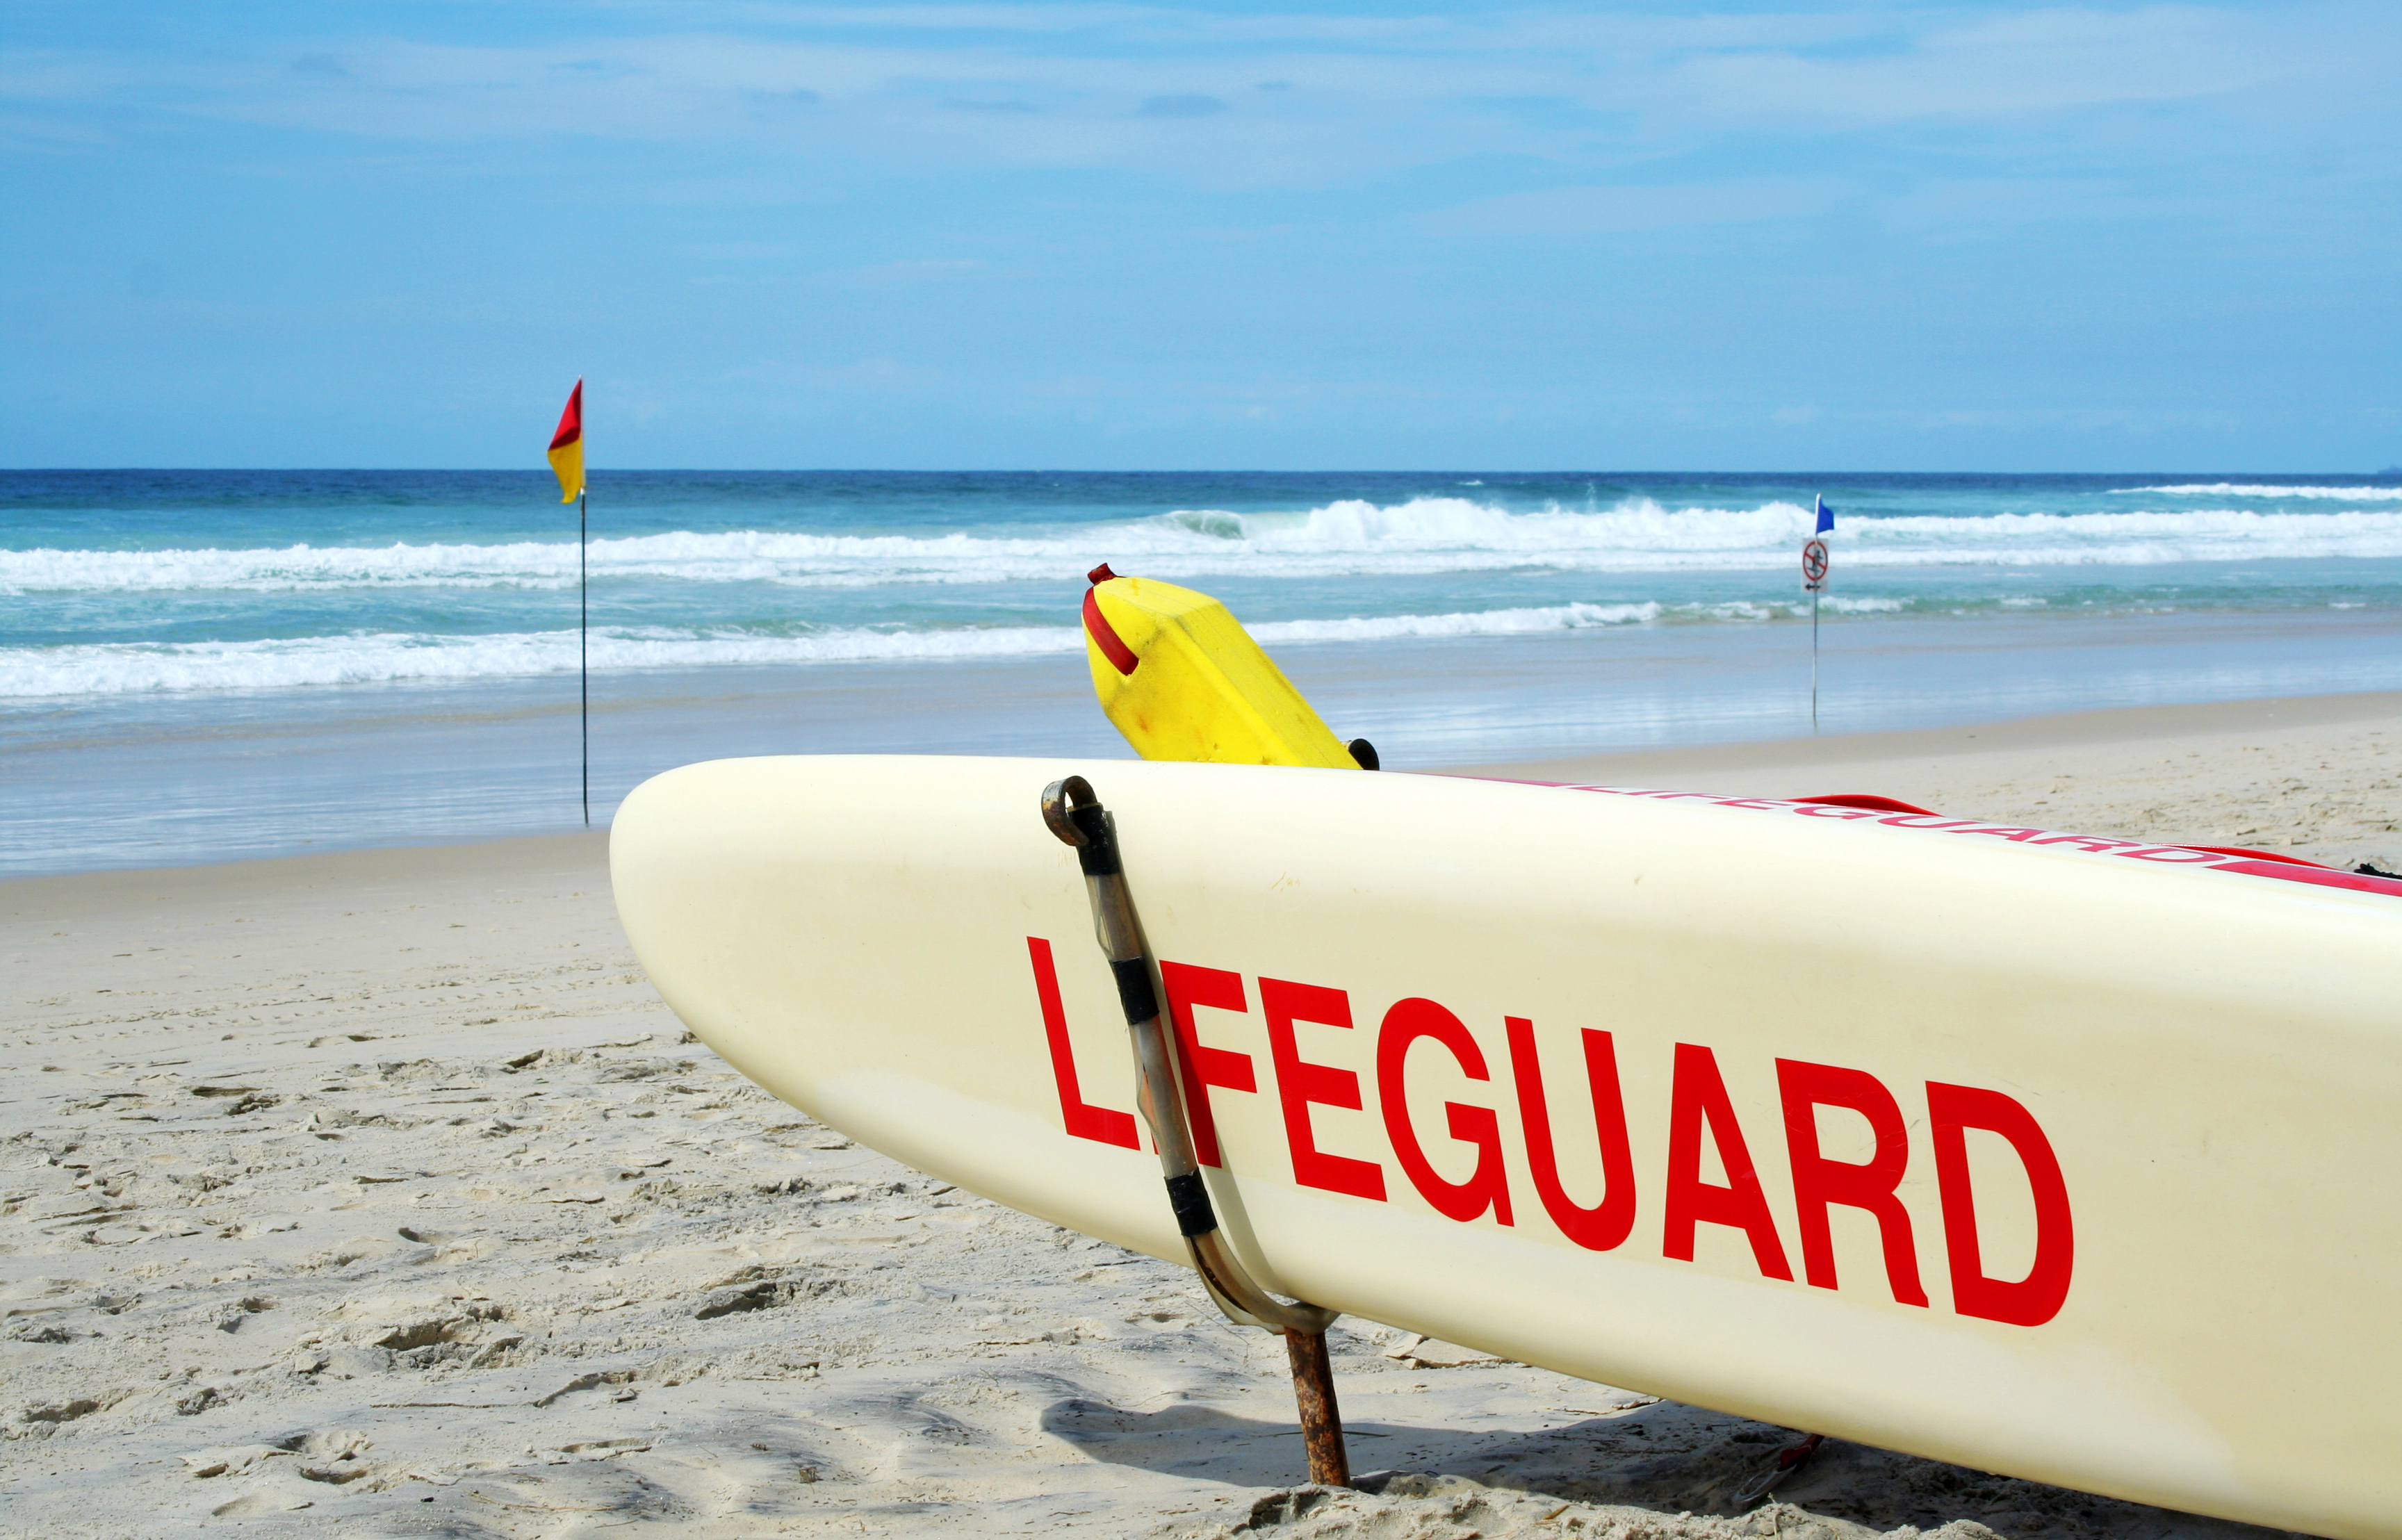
(1667, 1458)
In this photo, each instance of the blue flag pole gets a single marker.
(1824, 522)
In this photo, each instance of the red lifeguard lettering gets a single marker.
(1817, 1181)
(1100, 1124)
(1605, 1226)
(1199, 1065)
(1488, 1186)
(2089, 842)
(1925, 820)
(1697, 1095)
(2036, 1298)
(2005, 831)
(1300, 1083)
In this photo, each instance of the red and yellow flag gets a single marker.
(567, 447)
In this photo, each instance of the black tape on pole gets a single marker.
(1134, 991)
(1190, 1200)
(1098, 854)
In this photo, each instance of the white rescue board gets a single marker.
(2070, 1159)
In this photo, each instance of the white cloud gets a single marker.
(2005, 65)
(1142, 87)
(923, 270)
(1596, 211)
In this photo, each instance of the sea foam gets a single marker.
(1423, 536)
(136, 667)
(2255, 489)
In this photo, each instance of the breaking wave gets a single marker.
(368, 658)
(1423, 536)
(2249, 490)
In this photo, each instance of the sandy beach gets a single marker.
(378, 1191)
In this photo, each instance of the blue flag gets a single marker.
(1826, 516)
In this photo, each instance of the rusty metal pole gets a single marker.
(1075, 815)
(1322, 1420)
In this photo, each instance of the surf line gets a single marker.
(1700, 1111)
(1075, 815)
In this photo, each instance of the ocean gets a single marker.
(209, 665)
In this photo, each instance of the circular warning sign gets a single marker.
(1813, 563)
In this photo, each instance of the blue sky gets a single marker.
(1238, 235)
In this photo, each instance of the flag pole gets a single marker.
(567, 464)
(584, 644)
(1814, 577)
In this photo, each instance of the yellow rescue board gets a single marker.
(1182, 679)
(2069, 1159)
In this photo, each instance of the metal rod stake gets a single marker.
(1322, 1420)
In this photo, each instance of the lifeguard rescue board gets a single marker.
(2070, 1159)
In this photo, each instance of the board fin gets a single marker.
(1181, 678)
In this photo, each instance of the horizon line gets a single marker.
(598, 472)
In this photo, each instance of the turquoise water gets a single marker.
(198, 665)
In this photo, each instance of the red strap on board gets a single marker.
(2312, 872)
(2252, 855)
(1863, 799)
(1105, 636)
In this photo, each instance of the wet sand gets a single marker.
(378, 1191)
(205, 778)
(2318, 777)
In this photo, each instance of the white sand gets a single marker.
(378, 1191)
